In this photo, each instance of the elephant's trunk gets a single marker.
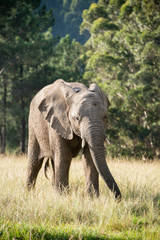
(95, 136)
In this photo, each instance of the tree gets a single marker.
(26, 46)
(124, 58)
(68, 60)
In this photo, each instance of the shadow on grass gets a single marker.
(23, 232)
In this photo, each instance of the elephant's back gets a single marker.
(37, 99)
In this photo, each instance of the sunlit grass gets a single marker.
(43, 212)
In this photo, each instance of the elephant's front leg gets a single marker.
(91, 174)
(62, 165)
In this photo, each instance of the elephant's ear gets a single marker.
(95, 88)
(54, 107)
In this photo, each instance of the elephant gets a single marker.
(64, 118)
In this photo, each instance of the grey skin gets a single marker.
(65, 117)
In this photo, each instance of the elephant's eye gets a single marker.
(76, 118)
(76, 90)
(105, 117)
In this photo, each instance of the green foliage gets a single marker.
(30, 59)
(101, 24)
(126, 9)
(116, 3)
(24, 231)
(122, 55)
(124, 59)
(26, 44)
(68, 60)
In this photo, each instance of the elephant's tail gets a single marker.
(49, 162)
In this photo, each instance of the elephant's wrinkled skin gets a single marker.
(64, 117)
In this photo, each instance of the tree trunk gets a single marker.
(23, 127)
(23, 121)
(3, 125)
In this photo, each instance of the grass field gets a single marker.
(44, 214)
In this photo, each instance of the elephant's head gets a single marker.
(72, 108)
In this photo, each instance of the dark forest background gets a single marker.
(115, 43)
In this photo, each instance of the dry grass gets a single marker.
(137, 215)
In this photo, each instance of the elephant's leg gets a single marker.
(34, 163)
(50, 162)
(91, 174)
(61, 165)
(53, 168)
(33, 170)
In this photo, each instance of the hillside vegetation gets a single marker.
(44, 214)
(121, 54)
(68, 17)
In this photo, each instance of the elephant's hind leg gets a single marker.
(33, 170)
(34, 163)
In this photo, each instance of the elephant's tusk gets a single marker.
(83, 142)
(107, 141)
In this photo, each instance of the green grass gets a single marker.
(44, 214)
